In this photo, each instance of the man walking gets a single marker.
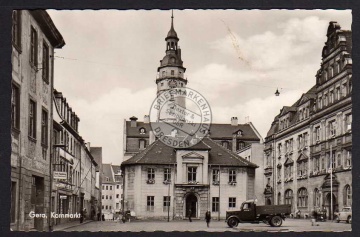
(190, 213)
(207, 217)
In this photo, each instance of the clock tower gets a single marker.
(171, 73)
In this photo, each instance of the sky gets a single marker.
(235, 58)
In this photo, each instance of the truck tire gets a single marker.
(233, 222)
(275, 221)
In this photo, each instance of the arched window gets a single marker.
(142, 130)
(331, 72)
(302, 197)
(288, 196)
(316, 197)
(279, 198)
(347, 196)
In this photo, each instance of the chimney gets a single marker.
(151, 137)
(234, 121)
(133, 120)
(146, 119)
(88, 145)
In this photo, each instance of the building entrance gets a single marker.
(328, 205)
(191, 204)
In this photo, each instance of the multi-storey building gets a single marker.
(96, 152)
(75, 190)
(34, 37)
(308, 147)
(112, 191)
(166, 182)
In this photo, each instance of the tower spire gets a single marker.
(172, 18)
(172, 32)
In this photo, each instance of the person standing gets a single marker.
(81, 216)
(207, 217)
(190, 214)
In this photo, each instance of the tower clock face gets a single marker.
(172, 83)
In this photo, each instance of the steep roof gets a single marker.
(116, 168)
(159, 153)
(96, 152)
(135, 131)
(107, 173)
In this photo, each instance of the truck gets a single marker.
(249, 212)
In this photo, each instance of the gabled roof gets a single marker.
(159, 153)
(287, 109)
(193, 155)
(107, 174)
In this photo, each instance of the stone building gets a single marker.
(311, 140)
(34, 38)
(112, 191)
(71, 156)
(165, 182)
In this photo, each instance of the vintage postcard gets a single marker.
(181, 120)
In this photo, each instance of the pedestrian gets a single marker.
(190, 213)
(98, 216)
(207, 217)
(103, 217)
(81, 216)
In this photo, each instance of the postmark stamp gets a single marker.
(180, 117)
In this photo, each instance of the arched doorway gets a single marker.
(328, 205)
(191, 204)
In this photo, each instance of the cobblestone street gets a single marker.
(215, 226)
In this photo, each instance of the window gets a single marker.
(317, 133)
(348, 121)
(33, 47)
(232, 176)
(339, 160)
(109, 207)
(45, 63)
(151, 174)
(302, 197)
(107, 197)
(331, 72)
(347, 196)
(333, 161)
(316, 163)
(343, 90)
(325, 75)
(117, 195)
(215, 204)
(279, 149)
(16, 29)
(117, 186)
(337, 95)
(142, 130)
(103, 187)
(325, 100)
(288, 196)
(167, 174)
(302, 168)
(192, 174)
(117, 205)
(232, 202)
(107, 188)
(150, 203)
(110, 197)
(319, 102)
(332, 128)
(215, 176)
(102, 197)
(331, 97)
(32, 119)
(279, 173)
(225, 144)
(348, 158)
(317, 197)
(279, 199)
(166, 203)
(13, 203)
(241, 145)
(142, 144)
(102, 207)
(44, 128)
(110, 187)
(106, 207)
(172, 72)
(15, 106)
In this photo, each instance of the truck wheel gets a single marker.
(349, 219)
(276, 221)
(232, 222)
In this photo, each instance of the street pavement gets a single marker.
(200, 225)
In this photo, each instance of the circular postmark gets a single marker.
(180, 117)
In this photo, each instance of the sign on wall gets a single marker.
(60, 175)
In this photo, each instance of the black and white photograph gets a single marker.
(181, 120)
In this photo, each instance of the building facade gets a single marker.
(76, 189)
(308, 149)
(112, 191)
(96, 152)
(34, 38)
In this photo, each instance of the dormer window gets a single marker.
(142, 130)
(239, 133)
